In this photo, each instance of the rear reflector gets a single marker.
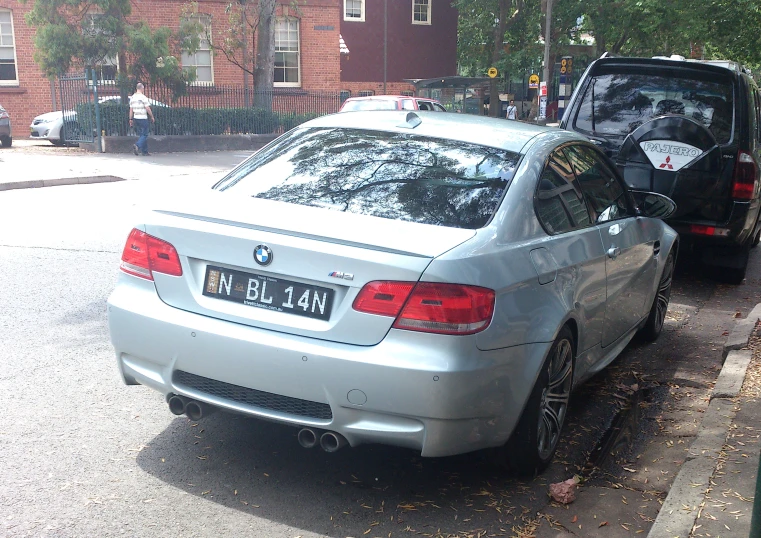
(143, 254)
(744, 181)
(708, 230)
(428, 306)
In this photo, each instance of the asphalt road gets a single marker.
(83, 455)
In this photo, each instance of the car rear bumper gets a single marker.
(739, 227)
(432, 393)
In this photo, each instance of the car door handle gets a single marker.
(613, 252)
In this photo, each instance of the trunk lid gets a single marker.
(318, 252)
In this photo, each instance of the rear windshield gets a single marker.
(617, 104)
(369, 104)
(391, 175)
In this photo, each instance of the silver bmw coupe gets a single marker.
(440, 282)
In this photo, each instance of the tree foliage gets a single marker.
(710, 29)
(86, 33)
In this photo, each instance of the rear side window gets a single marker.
(559, 203)
(605, 194)
(616, 104)
(391, 175)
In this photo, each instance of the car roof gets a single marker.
(715, 66)
(508, 135)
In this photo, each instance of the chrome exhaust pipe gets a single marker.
(331, 441)
(177, 404)
(196, 410)
(308, 438)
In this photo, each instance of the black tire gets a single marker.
(58, 142)
(6, 141)
(735, 275)
(655, 320)
(756, 238)
(532, 445)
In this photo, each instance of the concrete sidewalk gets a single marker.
(31, 164)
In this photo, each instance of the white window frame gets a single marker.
(416, 3)
(14, 82)
(191, 60)
(297, 51)
(361, 17)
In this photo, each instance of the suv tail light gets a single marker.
(429, 306)
(143, 254)
(744, 179)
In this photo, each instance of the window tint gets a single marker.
(424, 105)
(559, 203)
(391, 175)
(603, 192)
(617, 104)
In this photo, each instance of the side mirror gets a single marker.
(653, 205)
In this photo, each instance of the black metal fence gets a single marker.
(209, 110)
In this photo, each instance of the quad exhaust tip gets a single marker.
(193, 409)
(331, 441)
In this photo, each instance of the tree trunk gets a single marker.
(499, 37)
(264, 70)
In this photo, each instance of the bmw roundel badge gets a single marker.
(263, 255)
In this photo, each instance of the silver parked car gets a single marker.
(433, 281)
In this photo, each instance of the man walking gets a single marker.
(139, 112)
(512, 110)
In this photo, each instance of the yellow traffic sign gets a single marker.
(533, 81)
(492, 72)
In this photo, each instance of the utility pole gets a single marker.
(547, 39)
(385, 45)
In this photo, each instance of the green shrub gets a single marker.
(212, 121)
(175, 120)
(289, 120)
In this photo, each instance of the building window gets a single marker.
(345, 94)
(407, 93)
(421, 11)
(8, 74)
(106, 67)
(202, 59)
(354, 10)
(287, 60)
(365, 93)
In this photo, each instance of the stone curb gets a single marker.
(680, 509)
(37, 183)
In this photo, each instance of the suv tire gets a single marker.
(6, 141)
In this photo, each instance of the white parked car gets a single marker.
(50, 126)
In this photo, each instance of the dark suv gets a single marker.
(690, 130)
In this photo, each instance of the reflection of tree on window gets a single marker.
(559, 202)
(605, 195)
(396, 176)
(618, 104)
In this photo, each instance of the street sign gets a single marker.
(533, 81)
(566, 65)
(492, 72)
(543, 89)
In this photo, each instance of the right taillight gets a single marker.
(431, 307)
(745, 177)
(143, 254)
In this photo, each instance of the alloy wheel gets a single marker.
(664, 293)
(555, 397)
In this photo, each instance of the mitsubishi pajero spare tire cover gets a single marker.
(675, 156)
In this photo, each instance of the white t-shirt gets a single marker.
(511, 111)
(138, 102)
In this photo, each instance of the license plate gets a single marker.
(268, 292)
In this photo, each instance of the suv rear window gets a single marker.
(392, 175)
(616, 104)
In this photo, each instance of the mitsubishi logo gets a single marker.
(667, 164)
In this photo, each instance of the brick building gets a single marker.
(307, 41)
(420, 42)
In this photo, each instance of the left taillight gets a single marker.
(745, 179)
(430, 307)
(144, 254)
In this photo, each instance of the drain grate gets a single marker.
(256, 398)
